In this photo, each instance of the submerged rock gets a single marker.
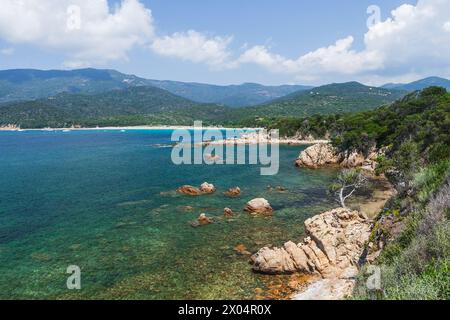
(258, 206)
(242, 249)
(189, 190)
(333, 247)
(202, 220)
(233, 192)
(207, 188)
(186, 208)
(227, 212)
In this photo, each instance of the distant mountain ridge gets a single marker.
(130, 106)
(91, 97)
(420, 84)
(247, 94)
(146, 105)
(30, 84)
(328, 99)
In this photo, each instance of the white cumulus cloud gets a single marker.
(413, 41)
(87, 31)
(195, 47)
(447, 26)
(338, 58)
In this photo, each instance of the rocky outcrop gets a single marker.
(189, 190)
(357, 159)
(205, 188)
(242, 250)
(328, 289)
(332, 249)
(258, 206)
(9, 127)
(203, 220)
(261, 137)
(233, 192)
(323, 154)
(318, 155)
(227, 212)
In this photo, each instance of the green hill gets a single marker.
(244, 95)
(420, 84)
(131, 106)
(413, 229)
(29, 84)
(142, 105)
(329, 99)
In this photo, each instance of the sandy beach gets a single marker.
(11, 128)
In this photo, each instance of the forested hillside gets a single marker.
(329, 99)
(414, 227)
(132, 106)
(30, 84)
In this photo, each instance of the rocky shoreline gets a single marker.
(264, 138)
(336, 239)
(323, 154)
(331, 252)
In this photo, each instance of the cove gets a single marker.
(105, 201)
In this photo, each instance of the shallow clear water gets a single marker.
(105, 201)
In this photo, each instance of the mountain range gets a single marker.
(328, 99)
(91, 97)
(29, 84)
(130, 106)
(420, 84)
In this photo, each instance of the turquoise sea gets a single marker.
(105, 201)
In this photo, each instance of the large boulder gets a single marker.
(203, 220)
(318, 155)
(227, 212)
(353, 160)
(233, 192)
(189, 190)
(323, 154)
(207, 188)
(258, 206)
(333, 247)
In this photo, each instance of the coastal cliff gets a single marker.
(323, 154)
(335, 240)
(407, 142)
(331, 251)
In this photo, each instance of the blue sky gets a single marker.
(263, 41)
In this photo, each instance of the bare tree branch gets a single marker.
(348, 178)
